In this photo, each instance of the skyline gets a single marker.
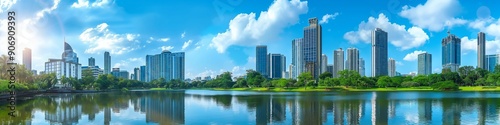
(216, 42)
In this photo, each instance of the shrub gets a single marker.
(445, 86)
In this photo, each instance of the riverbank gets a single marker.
(341, 88)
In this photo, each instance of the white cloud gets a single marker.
(246, 29)
(328, 17)
(85, 3)
(399, 63)
(398, 35)
(186, 44)
(6, 4)
(183, 35)
(166, 48)
(164, 39)
(470, 45)
(489, 26)
(413, 55)
(434, 14)
(101, 38)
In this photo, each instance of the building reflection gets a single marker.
(269, 110)
(451, 111)
(379, 108)
(165, 108)
(424, 110)
(65, 112)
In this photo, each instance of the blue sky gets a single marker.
(220, 35)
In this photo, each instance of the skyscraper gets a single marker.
(91, 61)
(392, 67)
(107, 63)
(379, 52)
(277, 65)
(290, 71)
(481, 50)
(338, 62)
(142, 74)
(329, 68)
(361, 67)
(352, 62)
(492, 61)
(261, 60)
(424, 64)
(165, 65)
(297, 57)
(67, 66)
(27, 58)
(451, 52)
(324, 63)
(312, 47)
(137, 74)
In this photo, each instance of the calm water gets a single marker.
(201, 107)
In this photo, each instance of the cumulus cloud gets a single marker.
(166, 48)
(183, 35)
(100, 38)
(86, 3)
(489, 26)
(164, 39)
(246, 29)
(186, 44)
(470, 45)
(398, 35)
(434, 14)
(328, 17)
(413, 55)
(6, 4)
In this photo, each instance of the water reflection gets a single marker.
(223, 107)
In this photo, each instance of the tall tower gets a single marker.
(91, 61)
(338, 62)
(481, 50)
(424, 64)
(324, 63)
(312, 47)
(379, 53)
(361, 67)
(277, 65)
(297, 57)
(261, 60)
(352, 62)
(27, 58)
(451, 52)
(392, 67)
(107, 63)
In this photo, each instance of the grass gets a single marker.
(158, 89)
(479, 88)
(291, 89)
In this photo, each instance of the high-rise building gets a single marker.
(492, 61)
(338, 62)
(324, 63)
(352, 62)
(329, 68)
(290, 71)
(91, 61)
(379, 53)
(392, 67)
(361, 67)
(261, 60)
(312, 47)
(142, 74)
(107, 63)
(96, 71)
(297, 57)
(166, 65)
(451, 52)
(68, 66)
(481, 50)
(27, 58)
(424, 64)
(277, 65)
(120, 73)
(137, 74)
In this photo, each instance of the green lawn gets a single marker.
(158, 89)
(480, 88)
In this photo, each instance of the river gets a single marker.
(206, 107)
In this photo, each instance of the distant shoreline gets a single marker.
(339, 88)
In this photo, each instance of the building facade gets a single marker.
(166, 65)
(297, 57)
(312, 47)
(107, 63)
(338, 62)
(361, 67)
(96, 71)
(352, 62)
(329, 68)
(492, 61)
(91, 61)
(261, 60)
(277, 66)
(67, 67)
(379, 53)
(324, 63)
(116, 72)
(481, 50)
(137, 74)
(142, 74)
(27, 58)
(451, 52)
(424, 64)
(392, 67)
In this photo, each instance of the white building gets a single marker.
(68, 66)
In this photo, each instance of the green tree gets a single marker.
(349, 78)
(497, 69)
(384, 81)
(254, 78)
(480, 82)
(422, 80)
(241, 82)
(445, 85)
(304, 79)
(325, 75)
(88, 78)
